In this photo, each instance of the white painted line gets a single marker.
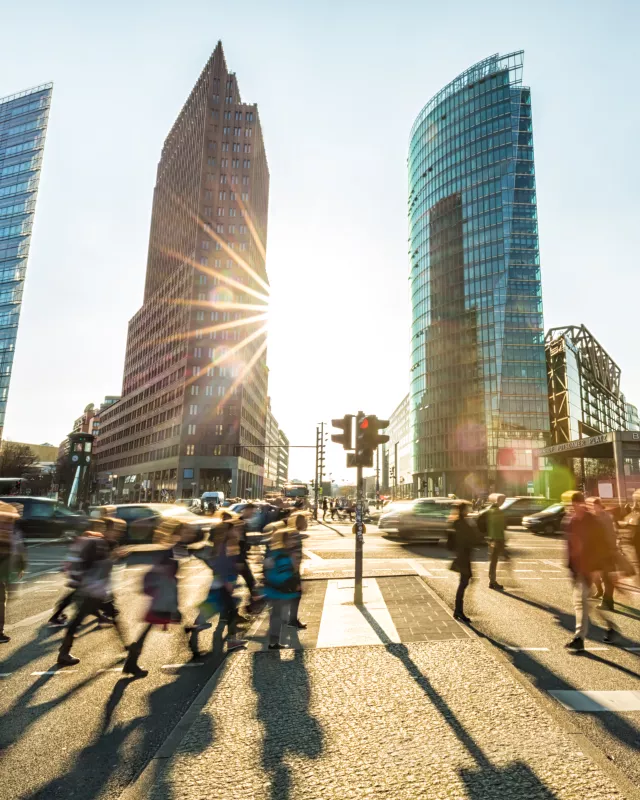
(592, 649)
(180, 666)
(344, 624)
(530, 578)
(550, 571)
(5, 674)
(524, 570)
(598, 701)
(111, 669)
(30, 620)
(312, 556)
(417, 566)
(55, 672)
(535, 649)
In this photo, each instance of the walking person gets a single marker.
(296, 526)
(604, 580)
(95, 581)
(588, 551)
(465, 536)
(496, 535)
(13, 560)
(247, 517)
(325, 508)
(225, 563)
(281, 584)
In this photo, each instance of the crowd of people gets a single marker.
(90, 591)
(594, 557)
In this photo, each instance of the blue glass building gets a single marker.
(478, 383)
(23, 125)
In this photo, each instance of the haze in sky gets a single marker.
(338, 85)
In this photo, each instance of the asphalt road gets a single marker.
(530, 622)
(86, 731)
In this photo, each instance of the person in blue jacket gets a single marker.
(281, 582)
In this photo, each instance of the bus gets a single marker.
(292, 491)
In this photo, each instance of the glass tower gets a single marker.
(23, 125)
(478, 383)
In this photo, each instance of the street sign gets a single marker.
(530, 488)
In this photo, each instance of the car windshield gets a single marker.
(554, 508)
(63, 511)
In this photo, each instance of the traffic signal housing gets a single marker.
(368, 437)
(346, 426)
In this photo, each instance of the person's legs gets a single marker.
(607, 597)
(279, 610)
(87, 606)
(497, 547)
(62, 604)
(581, 604)
(247, 575)
(462, 585)
(4, 589)
(131, 664)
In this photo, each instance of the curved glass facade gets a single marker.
(23, 125)
(478, 382)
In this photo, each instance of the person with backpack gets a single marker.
(94, 581)
(281, 583)
(464, 540)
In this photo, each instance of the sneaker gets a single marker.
(611, 636)
(576, 644)
(4, 638)
(297, 624)
(497, 586)
(278, 646)
(235, 644)
(135, 671)
(462, 617)
(606, 606)
(58, 622)
(67, 660)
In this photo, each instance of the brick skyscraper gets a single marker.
(194, 392)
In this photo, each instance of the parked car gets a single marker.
(47, 519)
(515, 508)
(143, 518)
(549, 520)
(424, 519)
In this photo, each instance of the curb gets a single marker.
(141, 786)
(555, 711)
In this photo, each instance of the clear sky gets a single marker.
(338, 85)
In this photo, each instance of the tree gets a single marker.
(15, 458)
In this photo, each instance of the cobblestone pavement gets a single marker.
(421, 720)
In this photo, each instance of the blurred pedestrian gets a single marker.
(604, 580)
(225, 564)
(296, 526)
(325, 507)
(13, 559)
(247, 521)
(465, 536)
(95, 589)
(496, 534)
(281, 583)
(588, 552)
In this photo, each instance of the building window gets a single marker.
(208, 195)
(218, 430)
(234, 179)
(232, 228)
(220, 211)
(195, 371)
(237, 131)
(224, 162)
(222, 194)
(211, 161)
(207, 211)
(249, 116)
(205, 244)
(243, 245)
(216, 263)
(223, 179)
(191, 429)
(227, 115)
(232, 212)
(197, 352)
(245, 180)
(200, 316)
(247, 132)
(236, 147)
(220, 391)
(208, 390)
(195, 389)
(190, 450)
(245, 195)
(211, 372)
(193, 409)
(203, 260)
(235, 163)
(247, 148)
(202, 296)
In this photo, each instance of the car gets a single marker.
(549, 520)
(45, 518)
(515, 508)
(142, 519)
(424, 519)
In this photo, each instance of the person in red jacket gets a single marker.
(589, 552)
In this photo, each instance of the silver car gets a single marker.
(424, 519)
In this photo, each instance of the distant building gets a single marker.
(89, 421)
(396, 469)
(283, 459)
(633, 420)
(23, 127)
(584, 386)
(272, 442)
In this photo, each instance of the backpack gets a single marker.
(280, 575)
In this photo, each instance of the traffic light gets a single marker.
(368, 437)
(346, 425)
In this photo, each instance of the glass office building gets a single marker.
(478, 384)
(23, 126)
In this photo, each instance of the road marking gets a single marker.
(593, 649)
(550, 571)
(30, 620)
(344, 624)
(537, 649)
(597, 701)
(524, 570)
(180, 666)
(55, 672)
(417, 566)
(111, 669)
(5, 674)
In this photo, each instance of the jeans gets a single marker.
(88, 605)
(280, 611)
(465, 577)
(581, 592)
(497, 550)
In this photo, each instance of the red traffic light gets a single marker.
(364, 424)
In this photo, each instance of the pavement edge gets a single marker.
(559, 714)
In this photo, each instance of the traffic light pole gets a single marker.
(315, 487)
(357, 592)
